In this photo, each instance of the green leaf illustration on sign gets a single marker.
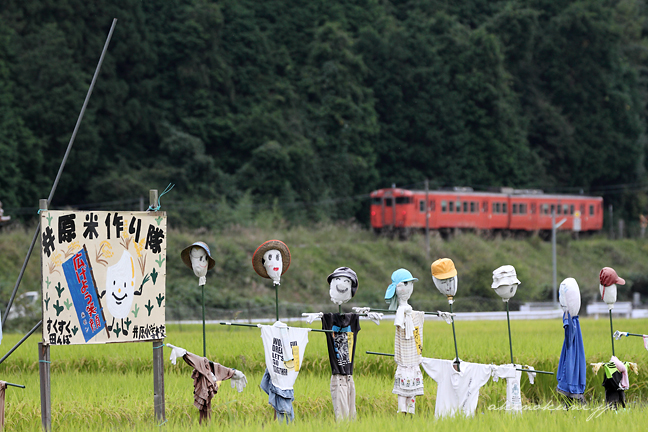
(127, 323)
(160, 260)
(48, 282)
(75, 329)
(149, 307)
(116, 329)
(68, 304)
(49, 219)
(136, 310)
(159, 299)
(59, 289)
(58, 308)
(154, 276)
(158, 220)
(47, 299)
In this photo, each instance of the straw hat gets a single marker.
(257, 257)
(187, 259)
(443, 268)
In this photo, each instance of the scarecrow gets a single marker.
(408, 340)
(207, 376)
(444, 275)
(198, 258)
(283, 346)
(615, 380)
(343, 284)
(505, 284)
(571, 366)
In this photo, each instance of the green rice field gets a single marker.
(110, 387)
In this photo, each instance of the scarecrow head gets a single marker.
(569, 296)
(444, 275)
(198, 258)
(343, 283)
(271, 260)
(401, 288)
(608, 280)
(505, 282)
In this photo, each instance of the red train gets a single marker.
(509, 209)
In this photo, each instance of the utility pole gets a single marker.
(554, 227)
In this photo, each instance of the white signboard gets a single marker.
(103, 276)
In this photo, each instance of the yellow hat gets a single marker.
(443, 268)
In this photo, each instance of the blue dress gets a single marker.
(572, 366)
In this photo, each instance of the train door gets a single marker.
(388, 209)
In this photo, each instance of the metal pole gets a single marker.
(44, 365)
(427, 220)
(45, 394)
(454, 335)
(611, 332)
(508, 320)
(159, 405)
(61, 167)
(255, 325)
(393, 311)
(203, 316)
(519, 369)
(553, 257)
(15, 347)
(277, 301)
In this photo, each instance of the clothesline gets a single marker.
(521, 370)
(257, 325)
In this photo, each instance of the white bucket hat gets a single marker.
(504, 275)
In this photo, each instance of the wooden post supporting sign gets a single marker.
(158, 362)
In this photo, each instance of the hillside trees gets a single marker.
(312, 104)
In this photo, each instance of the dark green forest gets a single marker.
(300, 108)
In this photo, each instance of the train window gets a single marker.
(451, 206)
(422, 206)
(571, 209)
(403, 200)
(553, 209)
(432, 205)
(523, 208)
(458, 206)
(504, 208)
(443, 206)
(558, 209)
(545, 208)
(591, 210)
(474, 208)
(388, 202)
(515, 208)
(533, 208)
(465, 206)
(485, 206)
(565, 209)
(376, 201)
(496, 208)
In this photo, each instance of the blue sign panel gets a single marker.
(78, 274)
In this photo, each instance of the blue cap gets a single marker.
(400, 275)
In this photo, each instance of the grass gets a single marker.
(110, 387)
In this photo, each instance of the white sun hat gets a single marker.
(504, 275)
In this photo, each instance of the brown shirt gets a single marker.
(206, 375)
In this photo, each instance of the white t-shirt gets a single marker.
(513, 391)
(283, 369)
(457, 390)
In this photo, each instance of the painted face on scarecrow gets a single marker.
(340, 289)
(404, 291)
(447, 287)
(273, 264)
(120, 286)
(199, 261)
